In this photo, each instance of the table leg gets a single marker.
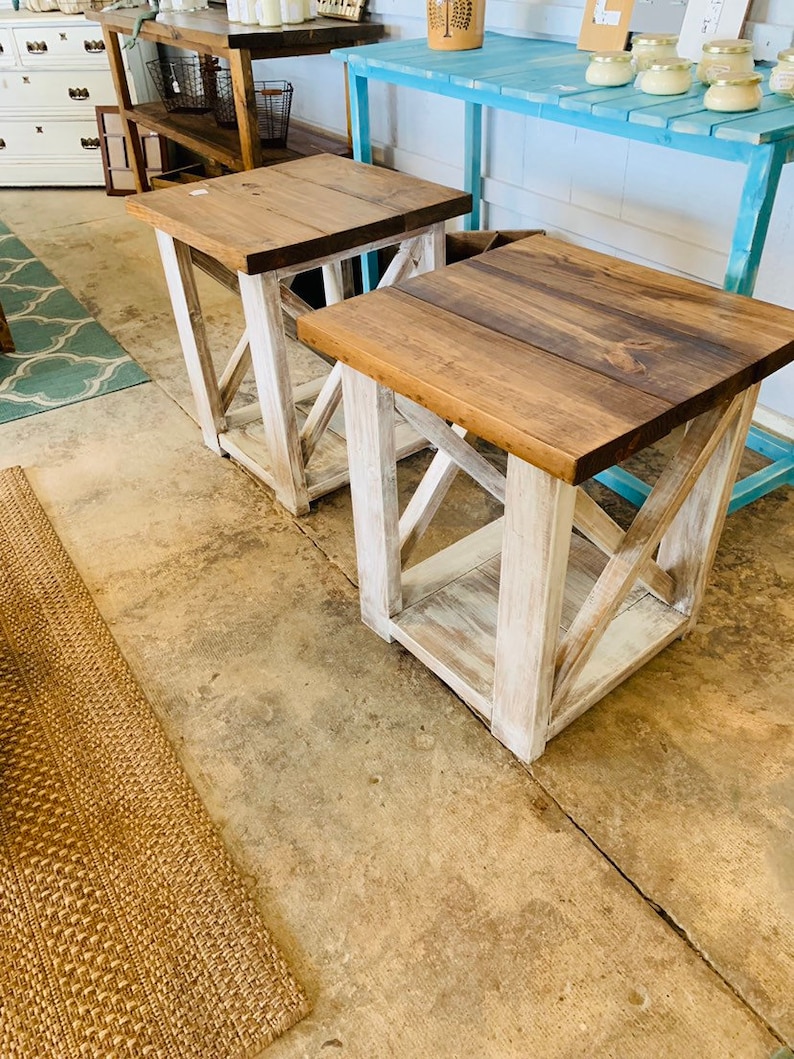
(261, 299)
(755, 211)
(688, 547)
(538, 522)
(245, 107)
(358, 94)
(472, 163)
(369, 421)
(131, 135)
(181, 280)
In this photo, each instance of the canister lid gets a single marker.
(727, 47)
(610, 57)
(653, 38)
(786, 56)
(671, 64)
(738, 79)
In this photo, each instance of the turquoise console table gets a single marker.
(545, 79)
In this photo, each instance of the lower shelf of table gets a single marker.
(200, 133)
(452, 628)
(327, 470)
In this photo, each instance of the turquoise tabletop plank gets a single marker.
(509, 65)
(706, 122)
(589, 97)
(545, 84)
(760, 127)
(666, 111)
(624, 107)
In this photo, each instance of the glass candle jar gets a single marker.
(648, 48)
(734, 94)
(724, 57)
(781, 79)
(669, 77)
(268, 12)
(609, 68)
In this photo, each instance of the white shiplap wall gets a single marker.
(660, 207)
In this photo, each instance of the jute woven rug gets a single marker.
(124, 927)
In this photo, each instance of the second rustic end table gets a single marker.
(570, 361)
(255, 231)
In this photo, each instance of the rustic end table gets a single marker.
(254, 232)
(570, 361)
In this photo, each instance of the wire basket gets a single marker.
(273, 103)
(185, 85)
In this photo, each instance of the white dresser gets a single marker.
(53, 73)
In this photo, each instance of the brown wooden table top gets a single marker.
(286, 214)
(211, 30)
(565, 357)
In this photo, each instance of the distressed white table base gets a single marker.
(297, 446)
(529, 623)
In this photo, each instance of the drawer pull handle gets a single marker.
(78, 93)
(89, 143)
(2, 145)
(2, 49)
(36, 46)
(94, 45)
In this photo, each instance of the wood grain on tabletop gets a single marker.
(281, 215)
(515, 346)
(731, 321)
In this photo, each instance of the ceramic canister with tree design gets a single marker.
(455, 25)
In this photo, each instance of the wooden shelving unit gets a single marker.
(210, 33)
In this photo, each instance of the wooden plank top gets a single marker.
(286, 214)
(565, 357)
(519, 73)
(211, 30)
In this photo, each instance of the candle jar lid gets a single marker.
(738, 79)
(610, 57)
(786, 56)
(654, 38)
(727, 47)
(671, 64)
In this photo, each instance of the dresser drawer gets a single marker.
(51, 138)
(44, 45)
(65, 92)
(7, 57)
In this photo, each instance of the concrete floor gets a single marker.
(632, 895)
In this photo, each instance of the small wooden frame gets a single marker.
(254, 232)
(119, 177)
(570, 361)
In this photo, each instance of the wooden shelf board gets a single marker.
(453, 630)
(195, 131)
(199, 133)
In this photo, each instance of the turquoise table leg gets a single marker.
(472, 164)
(749, 236)
(358, 89)
(755, 211)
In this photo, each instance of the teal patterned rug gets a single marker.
(62, 354)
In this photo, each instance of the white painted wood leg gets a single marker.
(434, 248)
(369, 411)
(262, 306)
(181, 281)
(337, 281)
(538, 522)
(688, 547)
